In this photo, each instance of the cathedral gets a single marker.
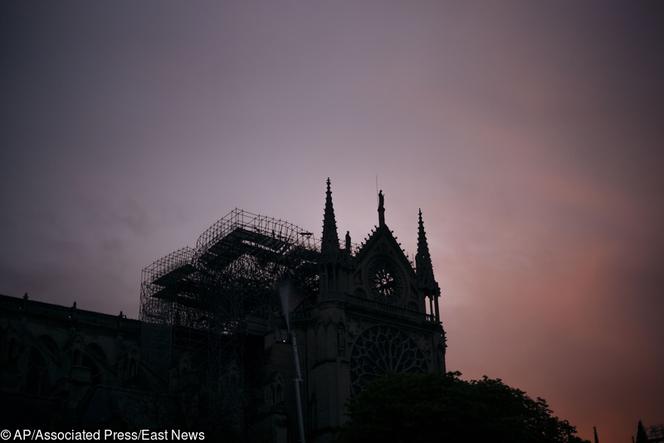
(260, 332)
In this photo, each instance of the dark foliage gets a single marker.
(434, 408)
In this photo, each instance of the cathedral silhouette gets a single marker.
(258, 333)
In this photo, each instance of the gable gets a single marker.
(383, 271)
(382, 241)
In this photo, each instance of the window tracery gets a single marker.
(382, 350)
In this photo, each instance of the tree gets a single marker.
(434, 408)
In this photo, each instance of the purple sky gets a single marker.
(529, 133)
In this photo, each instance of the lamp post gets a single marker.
(284, 294)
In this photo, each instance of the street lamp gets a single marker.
(284, 295)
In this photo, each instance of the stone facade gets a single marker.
(66, 367)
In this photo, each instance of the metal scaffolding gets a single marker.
(211, 299)
(162, 282)
(229, 278)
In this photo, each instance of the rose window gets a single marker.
(382, 350)
(384, 279)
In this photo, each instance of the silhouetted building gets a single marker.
(211, 350)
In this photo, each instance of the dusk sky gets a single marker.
(529, 133)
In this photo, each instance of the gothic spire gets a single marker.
(424, 268)
(641, 434)
(330, 240)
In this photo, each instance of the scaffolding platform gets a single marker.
(229, 275)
